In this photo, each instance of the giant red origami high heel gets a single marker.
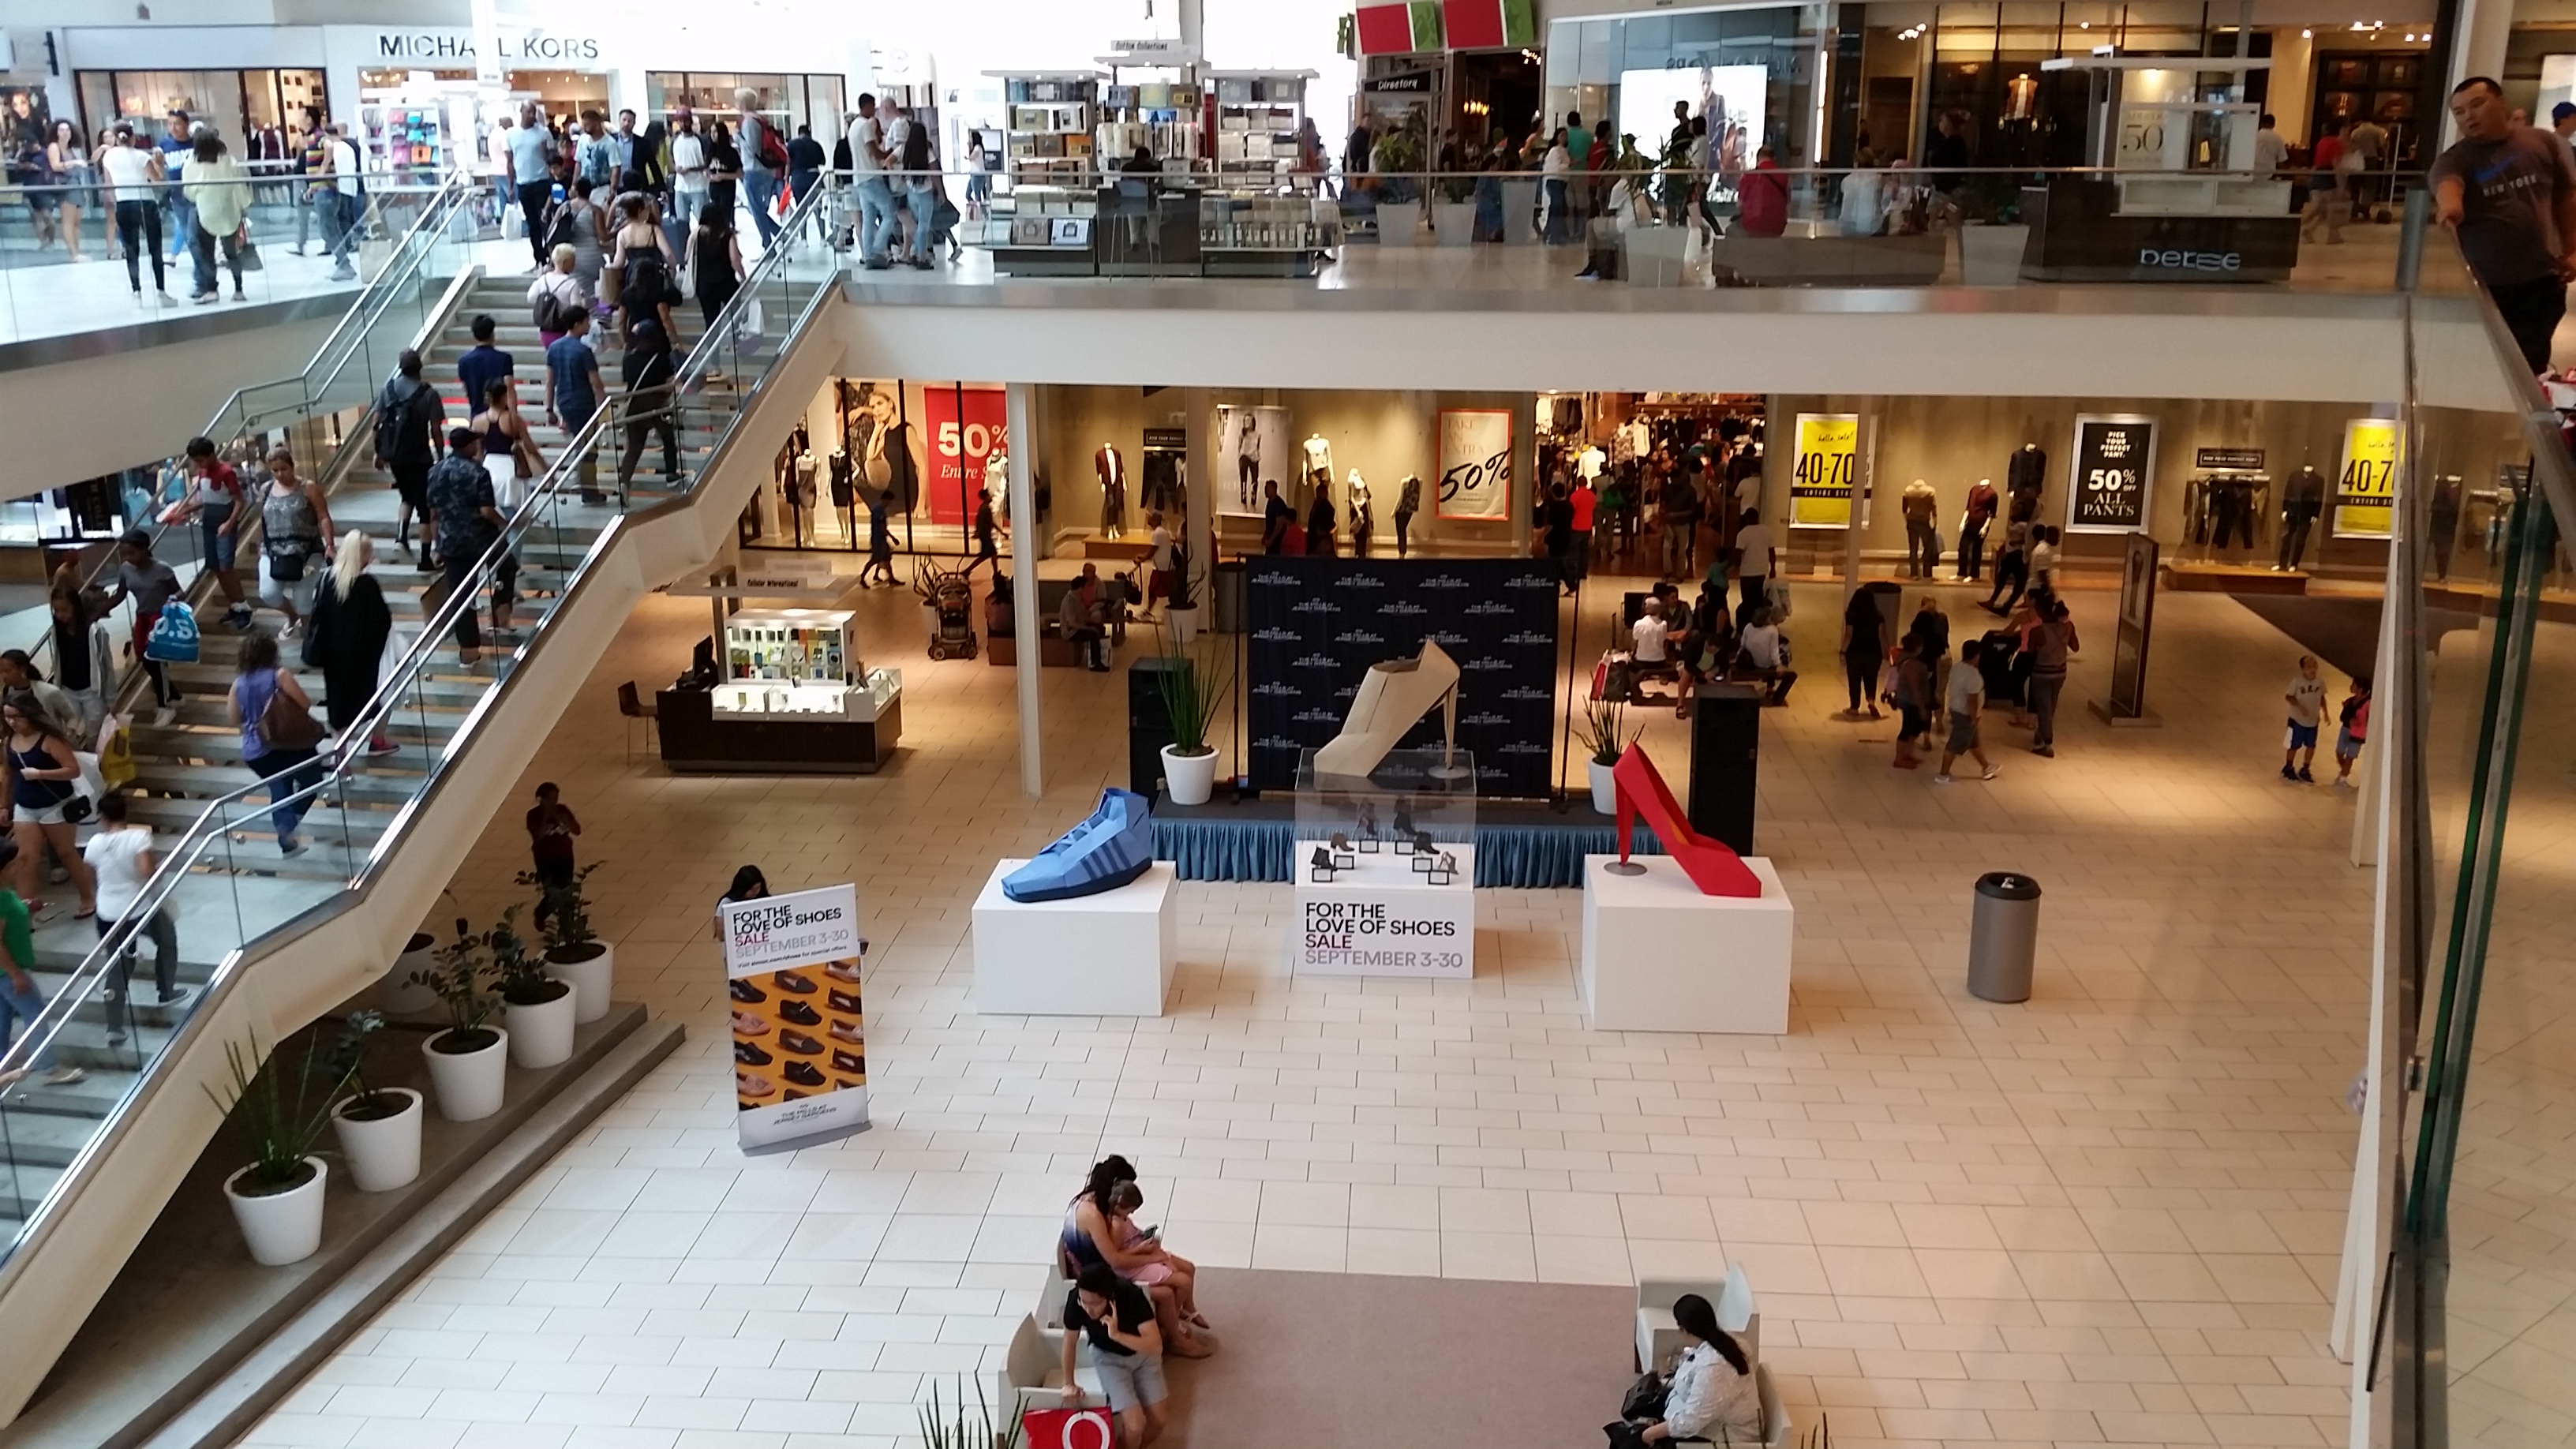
(1711, 865)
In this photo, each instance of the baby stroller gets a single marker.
(951, 598)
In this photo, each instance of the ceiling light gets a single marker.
(2307, 35)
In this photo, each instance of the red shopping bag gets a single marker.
(1084, 1428)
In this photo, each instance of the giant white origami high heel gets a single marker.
(1394, 694)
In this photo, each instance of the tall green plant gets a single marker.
(945, 1426)
(567, 910)
(1191, 692)
(1601, 730)
(519, 972)
(279, 1129)
(460, 980)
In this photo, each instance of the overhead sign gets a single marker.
(1168, 50)
(800, 1051)
(1402, 83)
(2241, 460)
(1828, 461)
(2115, 464)
(2365, 494)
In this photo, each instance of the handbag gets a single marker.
(115, 755)
(173, 639)
(1083, 1428)
(1645, 1397)
(287, 725)
(1775, 593)
(247, 254)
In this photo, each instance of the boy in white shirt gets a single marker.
(122, 857)
(1966, 700)
(2306, 697)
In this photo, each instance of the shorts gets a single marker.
(1130, 1380)
(28, 815)
(411, 484)
(2347, 744)
(218, 540)
(1910, 722)
(2302, 737)
(1963, 733)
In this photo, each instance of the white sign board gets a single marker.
(1378, 916)
(800, 1050)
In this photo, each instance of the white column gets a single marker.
(1018, 412)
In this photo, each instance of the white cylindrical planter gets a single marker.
(1185, 623)
(591, 977)
(281, 1227)
(383, 1153)
(393, 995)
(1189, 779)
(469, 1084)
(541, 1035)
(1605, 791)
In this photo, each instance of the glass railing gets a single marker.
(73, 259)
(2470, 1307)
(1648, 226)
(389, 314)
(220, 876)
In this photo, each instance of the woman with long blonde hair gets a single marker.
(346, 639)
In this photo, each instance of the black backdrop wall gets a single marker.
(1318, 624)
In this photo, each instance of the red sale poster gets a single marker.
(961, 446)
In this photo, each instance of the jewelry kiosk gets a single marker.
(1386, 868)
(792, 698)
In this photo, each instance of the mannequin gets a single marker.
(2026, 478)
(1113, 490)
(997, 470)
(1247, 461)
(1922, 506)
(1407, 503)
(1363, 521)
(1319, 461)
(844, 495)
(2303, 497)
(1972, 528)
(800, 492)
(1589, 463)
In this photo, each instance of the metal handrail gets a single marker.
(211, 823)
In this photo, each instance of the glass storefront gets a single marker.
(790, 100)
(238, 102)
(1753, 71)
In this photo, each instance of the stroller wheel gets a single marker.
(938, 650)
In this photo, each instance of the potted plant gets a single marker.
(399, 995)
(468, 1061)
(277, 1199)
(946, 1426)
(1190, 693)
(1601, 732)
(1182, 608)
(573, 954)
(541, 1008)
(378, 1127)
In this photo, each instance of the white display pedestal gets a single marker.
(1106, 955)
(1659, 956)
(1379, 919)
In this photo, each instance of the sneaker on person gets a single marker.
(289, 846)
(1941, 780)
(1991, 772)
(161, 717)
(178, 998)
(2304, 777)
(65, 1076)
(2289, 774)
(379, 747)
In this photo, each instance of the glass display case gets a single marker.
(795, 663)
(1412, 820)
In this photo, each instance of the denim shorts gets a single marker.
(1963, 733)
(218, 539)
(2302, 736)
(1130, 1380)
(2347, 744)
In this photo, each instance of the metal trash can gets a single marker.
(2003, 936)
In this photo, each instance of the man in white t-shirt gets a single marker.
(1647, 639)
(345, 190)
(876, 234)
(1965, 697)
(1764, 657)
(1754, 557)
(121, 856)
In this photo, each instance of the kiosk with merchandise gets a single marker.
(789, 696)
(1386, 868)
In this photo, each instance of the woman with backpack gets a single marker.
(556, 296)
(44, 777)
(278, 733)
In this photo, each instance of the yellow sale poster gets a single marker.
(2365, 494)
(1820, 491)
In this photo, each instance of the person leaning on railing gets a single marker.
(2507, 191)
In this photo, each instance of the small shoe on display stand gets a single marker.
(1344, 857)
(1444, 870)
(1320, 869)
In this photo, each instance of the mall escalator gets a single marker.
(270, 943)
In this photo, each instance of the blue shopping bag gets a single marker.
(173, 639)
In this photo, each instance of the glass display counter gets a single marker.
(1413, 817)
(794, 699)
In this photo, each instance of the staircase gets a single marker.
(271, 943)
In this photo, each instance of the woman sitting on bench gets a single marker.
(1711, 1396)
(1092, 1235)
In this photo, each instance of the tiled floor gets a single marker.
(2109, 1215)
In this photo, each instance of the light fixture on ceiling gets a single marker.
(2307, 35)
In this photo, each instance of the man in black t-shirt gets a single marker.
(1126, 1351)
(2509, 193)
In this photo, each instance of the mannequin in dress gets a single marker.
(1363, 519)
(800, 494)
(844, 494)
(1407, 503)
(1113, 490)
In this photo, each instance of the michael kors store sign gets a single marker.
(439, 48)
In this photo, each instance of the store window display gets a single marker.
(1111, 467)
(1363, 520)
(2025, 480)
(2303, 497)
(1922, 505)
(1408, 502)
(1979, 512)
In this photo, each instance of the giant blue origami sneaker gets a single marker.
(1104, 852)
